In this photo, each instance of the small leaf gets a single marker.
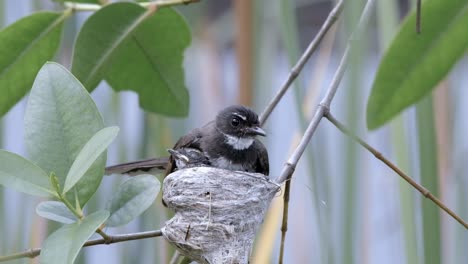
(60, 118)
(63, 245)
(134, 49)
(22, 175)
(24, 47)
(55, 211)
(132, 198)
(88, 155)
(414, 64)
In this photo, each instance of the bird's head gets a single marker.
(239, 121)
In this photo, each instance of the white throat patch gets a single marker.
(239, 143)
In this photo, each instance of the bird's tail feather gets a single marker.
(155, 164)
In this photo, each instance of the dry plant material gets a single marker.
(217, 212)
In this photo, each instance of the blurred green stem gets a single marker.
(429, 179)
(351, 182)
(387, 16)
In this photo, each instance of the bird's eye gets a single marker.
(235, 121)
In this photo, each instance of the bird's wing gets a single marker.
(140, 165)
(262, 165)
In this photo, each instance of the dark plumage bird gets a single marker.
(228, 142)
(188, 158)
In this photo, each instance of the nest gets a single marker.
(217, 212)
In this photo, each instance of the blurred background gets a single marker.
(346, 206)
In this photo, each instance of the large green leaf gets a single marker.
(132, 198)
(22, 175)
(88, 155)
(133, 49)
(56, 211)
(24, 47)
(63, 245)
(60, 118)
(414, 63)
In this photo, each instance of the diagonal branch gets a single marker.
(34, 252)
(331, 19)
(322, 110)
(392, 166)
(324, 105)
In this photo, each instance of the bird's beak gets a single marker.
(257, 131)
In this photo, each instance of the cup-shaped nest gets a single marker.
(217, 212)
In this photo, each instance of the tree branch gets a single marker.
(392, 166)
(331, 19)
(34, 252)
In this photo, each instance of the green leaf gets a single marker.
(22, 175)
(414, 64)
(55, 211)
(88, 155)
(63, 245)
(60, 118)
(132, 198)
(132, 49)
(25, 46)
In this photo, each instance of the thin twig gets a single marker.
(161, 3)
(284, 222)
(34, 252)
(103, 234)
(392, 166)
(329, 22)
(322, 109)
(324, 105)
(327, 25)
(331, 19)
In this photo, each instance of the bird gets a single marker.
(188, 158)
(228, 142)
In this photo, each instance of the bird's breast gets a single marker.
(224, 163)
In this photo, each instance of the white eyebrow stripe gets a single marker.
(240, 116)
